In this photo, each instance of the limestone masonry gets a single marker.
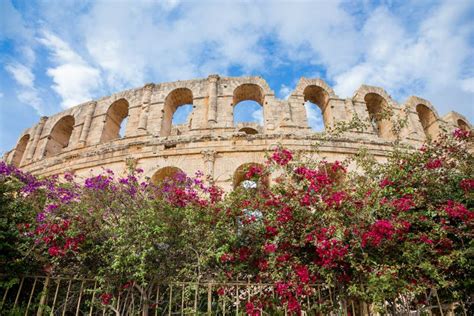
(84, 139)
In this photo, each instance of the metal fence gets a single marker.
(43, 295)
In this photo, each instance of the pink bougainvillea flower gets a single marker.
(467, 185)
(282, 156)
(434, 164)
(105, 298)
(270, 248)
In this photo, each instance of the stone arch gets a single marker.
(318, 96)
(241, 171)
(59, 136)
(20, 150)
(303, 83)
(115, 116)
(359, 95)
(165, 173)
(173, 100)
(428, 120)
(248, 130)
(314, 95)
(463, 125)
(247, 92)
(378, 109)
(457, 120)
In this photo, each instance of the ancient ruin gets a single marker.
(86, 138)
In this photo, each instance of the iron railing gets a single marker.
(46, 295)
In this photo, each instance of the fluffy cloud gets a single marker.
(21, 74)
(101, 47)
(428, 61)
(27, 93)
(74, 79)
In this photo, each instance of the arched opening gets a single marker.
(177, 98)
(241, 176)
(60, 136)
(248, 130)
(427, 120)
(182, 113)
(316, 100)
(378, 110)
(20, 150)
(463, 125)
(248, 103)
(115, 121)
(166, 173)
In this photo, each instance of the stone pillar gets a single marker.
(212, 112)
(36, 138)
(209, 157)
(87, 124)
(335, 112)
(142, 123)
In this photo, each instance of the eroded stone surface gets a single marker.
(84, 139)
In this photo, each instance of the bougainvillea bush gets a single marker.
(376, 234)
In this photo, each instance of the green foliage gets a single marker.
(378, 232)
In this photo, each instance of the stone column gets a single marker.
(212, 112)
(87, 124)
(145, 106)
(36, 138)
(209, 157)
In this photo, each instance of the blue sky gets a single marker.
(57, 54)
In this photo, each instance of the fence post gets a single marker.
(43, 297)
(4, 297)
(31, 296)
(209, 298)
(78, 307)
(67, 297)
(182, 299)
(157, 301)
(93, 298)
(18, 293)
(171, 300)
(55, 296)
(238, 299)
(439, 303)
(196, 293)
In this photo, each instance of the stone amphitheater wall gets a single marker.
(85, 139)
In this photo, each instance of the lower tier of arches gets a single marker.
(221, 158)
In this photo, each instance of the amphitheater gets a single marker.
(85, 139)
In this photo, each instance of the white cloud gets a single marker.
(468, 85)
(27, 92)
(12, 25)
(74, 79)
(165, 41)
(21, 74)
(285, 91)
(113, 46)
(31, 97)
(150, 40)
(428, 61)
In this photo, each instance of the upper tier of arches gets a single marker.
(149, 111)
